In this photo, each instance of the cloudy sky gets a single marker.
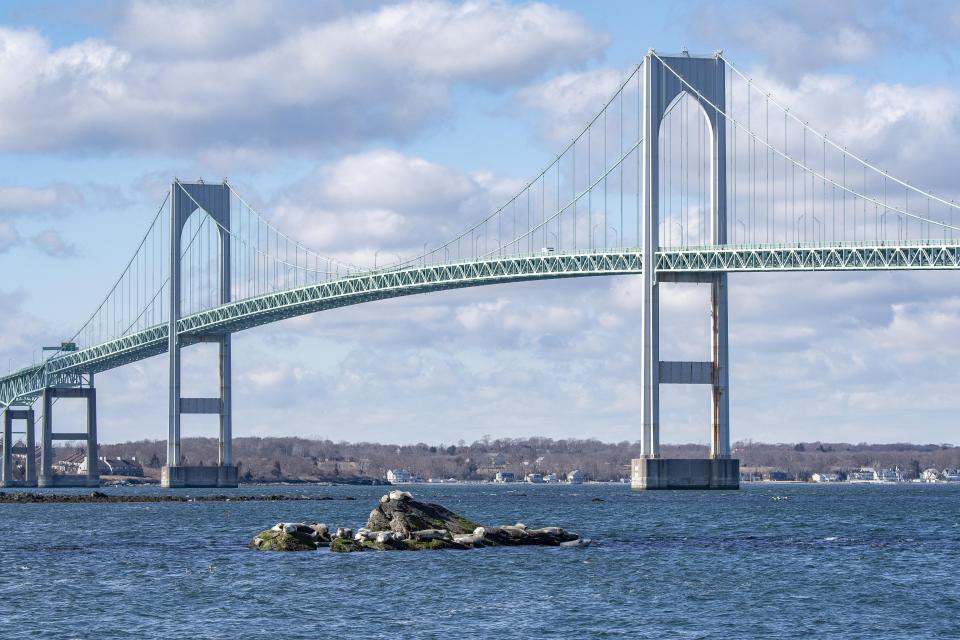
(359, 126)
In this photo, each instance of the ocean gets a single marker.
(768, 561)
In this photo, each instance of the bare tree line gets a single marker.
(302, 459)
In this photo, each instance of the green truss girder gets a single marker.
(66, 369)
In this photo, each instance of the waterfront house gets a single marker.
(534, 478)
(576, 477)
(889, 475)
(551, 477)
(825, 477)
(503, 476)
(865, 474)
(951, 475)
(111, 466)
(121, 467)
(70, 466)
(931, 475)
(399, 476)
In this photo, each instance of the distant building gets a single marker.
(117, 467)
(70, 466)
(551, 477)
(111, 466)
(865, 474)
(825, 477)
(534, 478)
(400, 476)
(951, 475)
(931, 475)
(503, 476)
(779, 475)
(889, 475)
(576, 477)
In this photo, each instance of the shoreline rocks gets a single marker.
(400, 523)
(292, 536)
(24, 497)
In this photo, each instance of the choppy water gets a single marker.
(823, 561)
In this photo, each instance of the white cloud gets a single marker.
(52, 243)
(380, 73)
(568, 101)
(798, 38)
(384, 199)
(19, 199)
(9, 236)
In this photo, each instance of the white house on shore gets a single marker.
(400, 476)
(576, 477)
(825, 477)
(113, 467)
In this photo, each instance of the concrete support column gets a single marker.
(46, 441)
(6, 464)
(720, 433)
(650, 300)
(177, 219)
(30, 470)
(173, 434)
(226, 402)
(93, 460)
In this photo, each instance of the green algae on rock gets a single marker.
(292, 536)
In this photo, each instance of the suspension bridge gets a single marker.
(690, 171)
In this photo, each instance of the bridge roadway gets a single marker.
(25, 385)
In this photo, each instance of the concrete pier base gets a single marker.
(684, 473)
(72, 480)
(182, 477)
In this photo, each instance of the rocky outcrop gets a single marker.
(400, 513)
(519, 535)
(292, 536)
(400, 523)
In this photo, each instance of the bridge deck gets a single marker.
(25, 384)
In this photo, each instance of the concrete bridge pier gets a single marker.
(28, 451)
(212, 200)
(48, 436)
(660, 89)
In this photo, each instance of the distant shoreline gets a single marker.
(98, 497)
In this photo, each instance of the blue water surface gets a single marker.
(768, 561)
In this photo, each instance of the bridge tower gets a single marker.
(706, 85)
(212, 200)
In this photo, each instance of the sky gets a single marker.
(356, 125)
